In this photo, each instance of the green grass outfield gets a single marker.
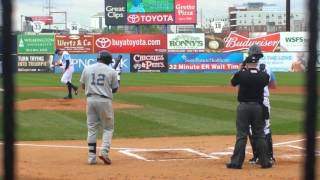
(164, 114)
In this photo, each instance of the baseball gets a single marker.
(213, 44)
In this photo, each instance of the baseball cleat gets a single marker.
(92, 159)
(105, 160)
(233, 166)
(254, 160)
(76, 90)
(67, 97)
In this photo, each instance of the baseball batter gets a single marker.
(99, 82)
(63, 60)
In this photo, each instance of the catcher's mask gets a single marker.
(255, 50)
(105, 57)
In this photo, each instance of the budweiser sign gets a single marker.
(236, 42)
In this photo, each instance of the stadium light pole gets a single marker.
(288, 15)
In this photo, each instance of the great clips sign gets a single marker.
(236, 42)
(144, 43)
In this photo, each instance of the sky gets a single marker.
(80, 11)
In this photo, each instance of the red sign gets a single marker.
(75, 43)
(131, 43)
(236, 42)
(151, 18)
(185, 12)
(46, 19)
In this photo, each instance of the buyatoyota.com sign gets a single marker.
(204, 62)
(131, 43)
(186, 42)
(34, 63)
(149, 63)
(80, 61)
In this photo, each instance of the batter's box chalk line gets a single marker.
(136, 153)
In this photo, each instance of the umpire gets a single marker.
(251, 83)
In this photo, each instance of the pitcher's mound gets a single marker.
(63, 104)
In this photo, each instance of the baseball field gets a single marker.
(167, 126)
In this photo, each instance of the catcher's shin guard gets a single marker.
(269, 145)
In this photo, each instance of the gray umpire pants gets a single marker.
(249, 113)
(100, 113)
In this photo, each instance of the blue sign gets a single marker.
(204, 62)
(80, 61)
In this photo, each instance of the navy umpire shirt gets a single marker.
(251, 84)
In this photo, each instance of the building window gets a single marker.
(244, 15)
(272, 15)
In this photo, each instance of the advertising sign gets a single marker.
(151, 18)
(150, 6)
(187, 42)
(293, 41)
(214, 42)
(149, 63)
(80, 61)
(123, 12)
(204, 62)
(37, 26)
(75, 43)
(45, 19)
(34, 63)
(185, 11)
(36, 44)
(131, 43)
(285, 62)
(236, 42)
(115, 12)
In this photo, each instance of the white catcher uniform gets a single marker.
(62, 59)
(99, 80)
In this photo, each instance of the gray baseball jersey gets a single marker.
(99, 79)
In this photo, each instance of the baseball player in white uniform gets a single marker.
(99, 82)
(63, 60)
(255, 50)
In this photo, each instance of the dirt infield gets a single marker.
(65, 105)
(151, 158)
(156, 158)
(176, 89)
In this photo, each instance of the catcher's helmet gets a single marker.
(105, 56)
(255, 50)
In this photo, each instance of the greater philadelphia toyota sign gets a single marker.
(123, 12)
(135, 43)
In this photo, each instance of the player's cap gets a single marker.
(105, 56)
(255, 50)
(252, 59)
